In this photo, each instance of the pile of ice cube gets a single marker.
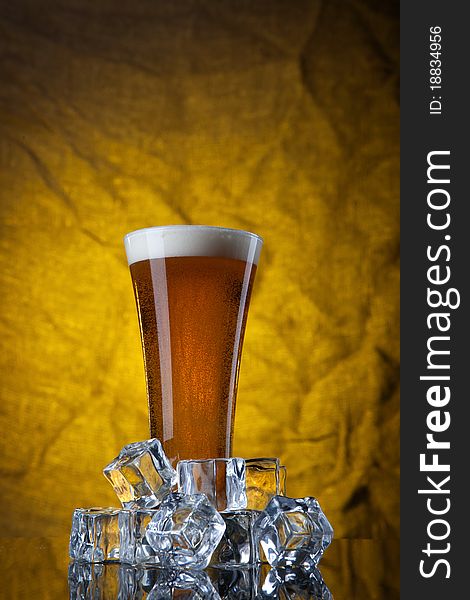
(222, 513)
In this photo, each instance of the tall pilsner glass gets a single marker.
(192, 287)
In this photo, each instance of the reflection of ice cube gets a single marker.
(123, 582)
(92, 581)
(190, 585)
(135, 548)
(185, 531)
(301, 583)
(234, 584)
(136, 582)
(293, 531)
(95, 535)
(129, 583)
(237, 546)
(265, 478)
(294, 583)
(222, 480)
(141, 475)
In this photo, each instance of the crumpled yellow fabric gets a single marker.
(276, 117)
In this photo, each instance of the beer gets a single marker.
(192, 287)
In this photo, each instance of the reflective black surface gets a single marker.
(39, 568)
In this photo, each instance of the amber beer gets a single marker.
(192, 287)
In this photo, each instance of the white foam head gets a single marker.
(192, 240)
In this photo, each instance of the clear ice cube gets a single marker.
(135, 548)
(141, 475)
(95, 535)
(237, 546)
(293, 531)
(185, 531)
(222, 480)
(265, 478)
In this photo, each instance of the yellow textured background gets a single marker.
(277, 117)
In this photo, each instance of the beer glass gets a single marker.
(192, 288)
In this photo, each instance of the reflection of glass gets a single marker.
(192, 287)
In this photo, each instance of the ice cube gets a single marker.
(265, 478)
(95, 535)
(141, 475)
(135, 548)
(293, 531)
(237, 546)
(185, 531)
(222, 480)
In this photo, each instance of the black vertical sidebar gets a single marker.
(435, 525)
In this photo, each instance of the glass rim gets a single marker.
(275, 461)
(216, 459)
(231, 230)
